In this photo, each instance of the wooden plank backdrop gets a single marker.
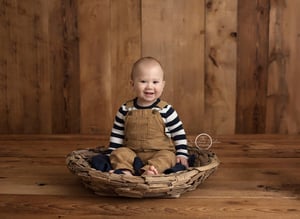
(64, 66)
(231, 66)
(180, 48)
(221, 68)
(283, 103)
(252, 66)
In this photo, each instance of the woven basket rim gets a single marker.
(111, 184)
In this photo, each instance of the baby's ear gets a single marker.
(131, 83)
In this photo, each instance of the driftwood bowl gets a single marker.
(164, 185)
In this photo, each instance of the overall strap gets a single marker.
(129, 104)
(162, 104)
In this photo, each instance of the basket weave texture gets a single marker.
(163, 185)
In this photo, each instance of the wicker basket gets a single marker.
(164, 185)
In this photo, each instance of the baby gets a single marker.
(147, 127)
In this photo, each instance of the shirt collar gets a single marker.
(145, 107)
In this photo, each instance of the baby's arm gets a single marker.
(183, 161)
(117, 133)
(175, 127)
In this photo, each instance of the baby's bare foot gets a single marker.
(151, 171)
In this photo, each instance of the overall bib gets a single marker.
(145, 137)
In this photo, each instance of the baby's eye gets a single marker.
(155, 82)
(143, 81)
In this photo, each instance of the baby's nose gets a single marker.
(149, 85)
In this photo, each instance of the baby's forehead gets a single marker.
(148, 65)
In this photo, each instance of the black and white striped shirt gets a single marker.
(173, 127)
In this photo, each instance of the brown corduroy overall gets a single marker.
(145, 137)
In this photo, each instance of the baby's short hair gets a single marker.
(143, 60)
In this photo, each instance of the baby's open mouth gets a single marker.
(149, 93)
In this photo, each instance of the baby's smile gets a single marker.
(148, 92)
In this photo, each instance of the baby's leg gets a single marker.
(122, 159)
(163, 160)
(159, 162)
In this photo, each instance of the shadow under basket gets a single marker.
(164, 185)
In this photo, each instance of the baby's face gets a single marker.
(148, 83)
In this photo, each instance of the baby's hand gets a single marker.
(183, 161)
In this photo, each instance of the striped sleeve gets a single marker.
(117, 132)
(174, 128)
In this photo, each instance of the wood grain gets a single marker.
(180, 49)
(44, 79)
(27, 49)
(64, 62)
(11, 93)
(231, 66)
(283, 101)
(107, 77)
(56, 68)
(71, 77)
(4, 47)
(220, 61)
(125, 50)
(253, 19)
(258, 178)
(95, 77)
